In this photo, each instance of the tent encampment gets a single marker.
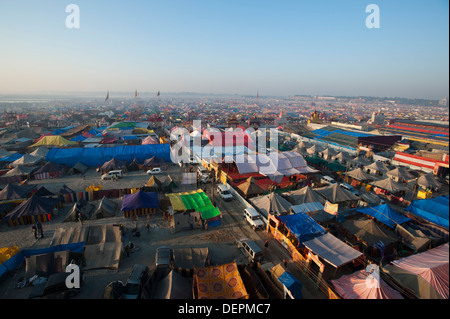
(304, 195)
(434, 210)
(34, 209)
(272, 203)
(385, 214)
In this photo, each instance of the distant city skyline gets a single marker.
(281, 48)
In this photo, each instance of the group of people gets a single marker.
(37, 229)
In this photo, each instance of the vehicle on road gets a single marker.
(112, 174)
(253, 218)
(251, 249)
(154, 171)
(327, 180)
(224, 193)
(350, 188)
(135, 282)
(164, 257)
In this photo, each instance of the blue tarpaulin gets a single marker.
(140, 200)
(292, 284)
(385, 214)
(435, 210)
(93, 157)
(302, 226)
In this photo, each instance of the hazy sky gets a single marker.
(280, 47)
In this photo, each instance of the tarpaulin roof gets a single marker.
(432, 265)
(49, 167)
(20, 170)
(332, 249)
(250, 187)
(195, 200)
(428, 181)
(368, 231)
(93, 157)
(435, 210)
(288, 280)
(355, 286)
(336, 194)
(302, 226)
(389, 185)
(12, 191)
(219, 282)
(53, 141)
(360, 175)
(140, 199)
(27, 160)
(272, 203)
(35, 206)
(400, 172)
(385, 214)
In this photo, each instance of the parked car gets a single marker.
(327, 180)
(154, 171)
(164, 257)
(135, 282)
(224, 193)
(350, 188)
(253, 218)
(251, 250)
(112, 174)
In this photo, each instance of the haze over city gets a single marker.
(274, 48)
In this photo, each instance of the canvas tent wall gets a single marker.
(369, 232)
(272, 203)
(17, 174)
(12, 191)
(140, 203)
(359, 285)
(78, 168)
(81, 208)
(106, 208)
(93, 157)
(304, 195)
(32, 210)
(49, 170)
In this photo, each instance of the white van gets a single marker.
(253, 218)
(350, 188)
(224, 192)
(111, 174)
(327, 180)
(154, 171)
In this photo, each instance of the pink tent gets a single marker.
(432, 265)
(149, 140)
(360, 286)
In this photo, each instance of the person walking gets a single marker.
(40, 230)
(34, 229)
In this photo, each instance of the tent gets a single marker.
(40, 151)
(171, 286)
(368, 231)
(385, 214)
(219, 282)
(292, 286)
(304, 195)
(133, 166)
(358, 286)
(34, 209)
(332, 249)
(302, 226)
(78, 168)
(163, 184)
(154, 162)
(414, 238)
(250, 187)
(328, 153)
(12, 191)
(315, 149)
(389, 185)
(81, 207)
(149, 140)
(53, 141)
(188, 258)
(196, 201)
(434, 210)
(336, 194)
(17, 174)
(140, 203)
(428, 181)
(432, 265)
(106, 208)
(377, 168)
(360, 175)
(49, 170)
(43, 192)
(113, 164)
(27, 160)
(399, 174)
(343, 157)
(272, 203)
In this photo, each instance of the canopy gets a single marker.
(304, 195)
(12, 191)
(428, 181)
(272, 203)
(219, 282)
(389, 185)
(360, 175)
(332, 249)
(377, 167)
(197, 201)
(250, 187)
(20, 170)
(289, 281)
(336, 194)
(368, 231)
(53, 141)
(302, 226)
(27, 160)
(385, 214)
(435, 210)
(296, 159)
(34, 206)
(40, 151)
(400, 172)
(355, 286)
(140, 200)
(431, 265)
(113, 164)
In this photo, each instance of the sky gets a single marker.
(275, 48)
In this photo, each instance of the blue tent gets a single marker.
(302, 226)
(140, 200)
(78, 138)
(385, 214)
(292, 284)
(434, 210)
(93, 157)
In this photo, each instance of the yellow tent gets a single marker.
(53, 141)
